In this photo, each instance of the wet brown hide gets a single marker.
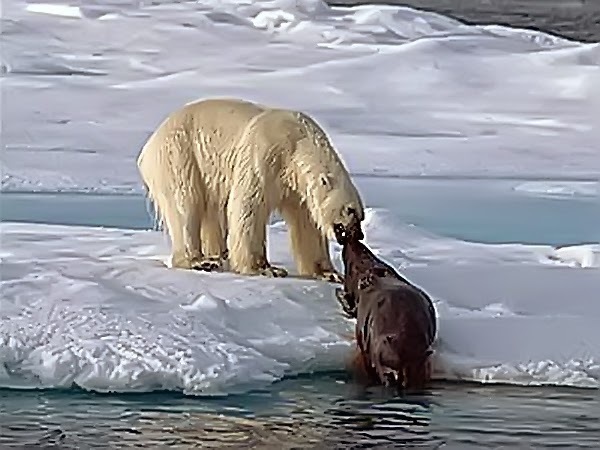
(396, 323)
(395, 330)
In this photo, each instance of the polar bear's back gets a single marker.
(202, 136)
(221, 121)
(216, 122)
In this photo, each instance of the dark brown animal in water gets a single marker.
(396, 323)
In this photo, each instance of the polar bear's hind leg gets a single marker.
(171, 224)
(171, 173)
(214, 245)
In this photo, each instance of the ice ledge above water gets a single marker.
(96, 308)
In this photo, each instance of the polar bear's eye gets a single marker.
(325, 180)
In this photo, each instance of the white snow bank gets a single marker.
(401, 91)
(53, 9)
(561, 188)
(579, 255)
(97, 308)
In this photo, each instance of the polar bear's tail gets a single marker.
(170, 174)
(152, 208)
(152, 213)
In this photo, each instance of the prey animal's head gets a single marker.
(352, 232)
(400, 345)
(399, 367)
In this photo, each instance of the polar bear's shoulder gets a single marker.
(223, 103)
(222, 109)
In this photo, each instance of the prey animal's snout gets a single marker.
(351, 232)
(400, 365)
(389, 364)
(394, 378)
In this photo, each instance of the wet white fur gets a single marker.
(216, 169)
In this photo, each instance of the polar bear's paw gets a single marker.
(332, 276)
(210, 264)
(274, 272)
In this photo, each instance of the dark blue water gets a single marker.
(322, 413)
(326, 411)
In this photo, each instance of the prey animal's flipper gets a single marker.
(332, 276)
(347, 301)
(365, 281)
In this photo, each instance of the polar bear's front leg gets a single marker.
(247, 235)
(309, 247)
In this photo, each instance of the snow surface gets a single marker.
(402, 93)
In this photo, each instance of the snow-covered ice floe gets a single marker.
(401, 91)
(97, 308)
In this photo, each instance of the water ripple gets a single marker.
(324, 412)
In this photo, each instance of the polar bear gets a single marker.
(217, 168)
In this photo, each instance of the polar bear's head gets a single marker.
(322, 180)
(335, 201)
(329, 194)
